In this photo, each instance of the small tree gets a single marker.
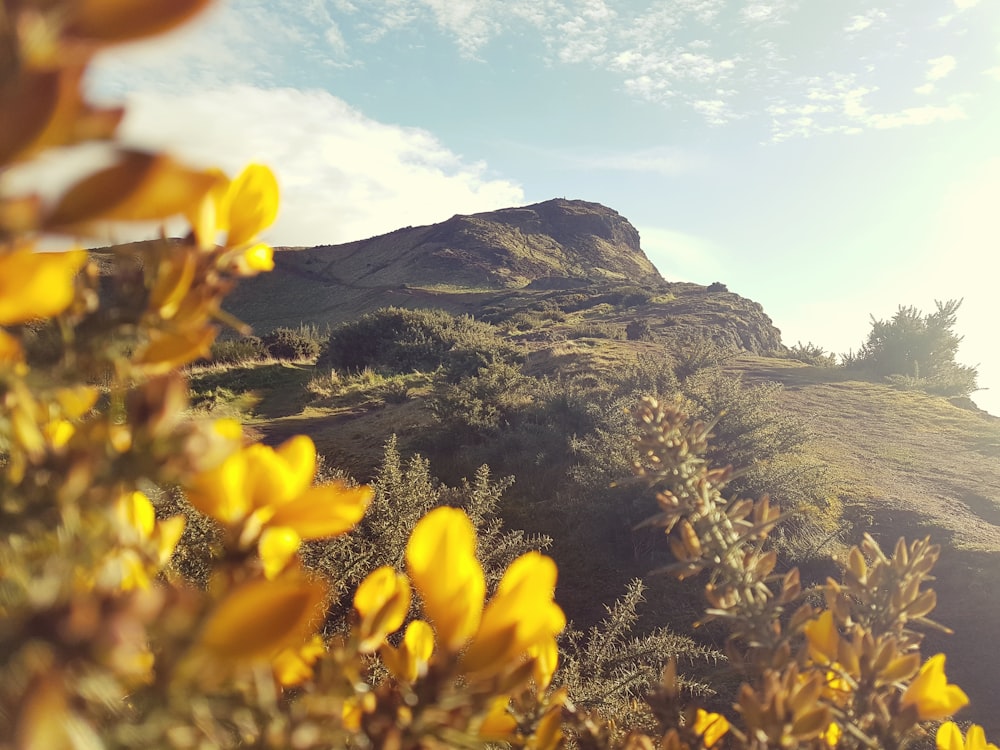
(919, 346)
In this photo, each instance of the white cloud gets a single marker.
(966, 4)
(343, 176)
(838, 104)
(939, 67)
(916, 116)
(993, 73)
(924, 89)
(865, 20)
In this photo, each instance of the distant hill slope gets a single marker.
(511, 259)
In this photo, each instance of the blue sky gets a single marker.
(828, 159)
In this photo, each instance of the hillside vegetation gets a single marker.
(535, 383)
(517, 469)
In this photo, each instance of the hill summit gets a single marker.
(546, 243)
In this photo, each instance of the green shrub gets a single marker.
(239, 350)
(394, 340)
(919, 347)
(293, 344)
(639, 330)
(811, 354)
(596, 330)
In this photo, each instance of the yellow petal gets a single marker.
(419, 641)
(326, 511)
(139, 187)
(931, 694)
(221, 492)
(824, 639)
(229, 429)
(441, 561)
(257, 258)
(499, 724)
(832, 734)
(548, 735)
(58, 433)
(168, 534)
(293, 666)
(270, 480)
(299, 453)
(546, 656)
(168, 351)
(710, 726)
(76, 401)
(382, 600)
(173, 280)
(520, 616)
(253, 204)
(277, 547)
(211, 215)
(36, 285)
(409, 662)
(259, 618)
(949, 737)
(135, 510)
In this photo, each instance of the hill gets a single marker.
(565, 339)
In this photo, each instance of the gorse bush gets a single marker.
(105, 641)
(395, 340)
(238, 351)
(293, 344)
(811, 354)
(919, 347)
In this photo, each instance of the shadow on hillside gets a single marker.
(968, 602)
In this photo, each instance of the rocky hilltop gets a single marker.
(509, 248)
(570, 255)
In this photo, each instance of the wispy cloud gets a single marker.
(864, 21)
(343, 176)
(714, 60)
(662, 160)
(840, 104)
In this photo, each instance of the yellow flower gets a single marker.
(931, 694)
(274, 487)
(710, 726)
(382, 600)
(441, 561)
(36, 285)
(259, 618)
(949, 737)
(520, 616)
(824, 639)
(499, 725)
(409, 662)
(832, 734)
(546, 656)
(242, 208)
(277, 547)
(137, 518)
(252, 204)
(293, 666)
